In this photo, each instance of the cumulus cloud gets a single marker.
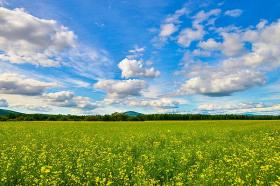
(239, 108)
(265, 42)
(167, 30)
(232, 45)
(238, 72)
(31, 39)
(117, 89)
(135, 68)
(188, 35)
(161, 103)
(217, 82)
(233, 13)
(203, 16)
(137, 50)
(34, 108)
(47, 43)
(174, 18)
(17, 84)
(196, 33)
(68, 99)
(3, 103)
(201, 53)
(171, 23)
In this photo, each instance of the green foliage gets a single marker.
(124, 117)
(7, 112)
(146, 153)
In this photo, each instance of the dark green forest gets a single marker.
(124, 117)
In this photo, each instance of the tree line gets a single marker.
(124, 117)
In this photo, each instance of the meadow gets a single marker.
(140, 153)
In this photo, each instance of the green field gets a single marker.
(140, 153)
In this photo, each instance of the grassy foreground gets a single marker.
(140, 153)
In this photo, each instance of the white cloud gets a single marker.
(221, 82)
(19, 102)
(171, 24)
(174, 18)
(262, 24)
(47, 43)
(159, 103)
(203, 16)
(17, 84)
(229, 106)
(201, 53)
(137, 50)
(234, 13)
(239, 108)
(76, 83)
(135, 68)
(68, 99)
(232, 45)
(238, 72)
(167, 30)
(28, 39)
(196, 33)
(117, 89)
(188, 35)
(89, 62)
(210, 44)
(265, 42)
(34, 108)
(3, 103)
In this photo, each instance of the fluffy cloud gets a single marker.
(188, 35)
(32, 40)
(237, 73)
(239, 108)
(160, 103)
(17, 84)
(68, 99)
(3, 103)
(171, 22)
(116, 89)
(265, 42)
(167, 30)
(174, 18)
(34, 108)
(213, 82)
(137, 50)
(196, 33)
(203, 16)
(163, 103)
(232, 45)
(234, 13)
(264, 52)
(135, 68)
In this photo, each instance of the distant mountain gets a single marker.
(7, 112)
(132, 113)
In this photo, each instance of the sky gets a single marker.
(161, 56)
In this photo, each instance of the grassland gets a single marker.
(140, 153)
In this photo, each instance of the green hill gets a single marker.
(132, 113)
(7, 112)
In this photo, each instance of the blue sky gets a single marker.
(97, 57)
